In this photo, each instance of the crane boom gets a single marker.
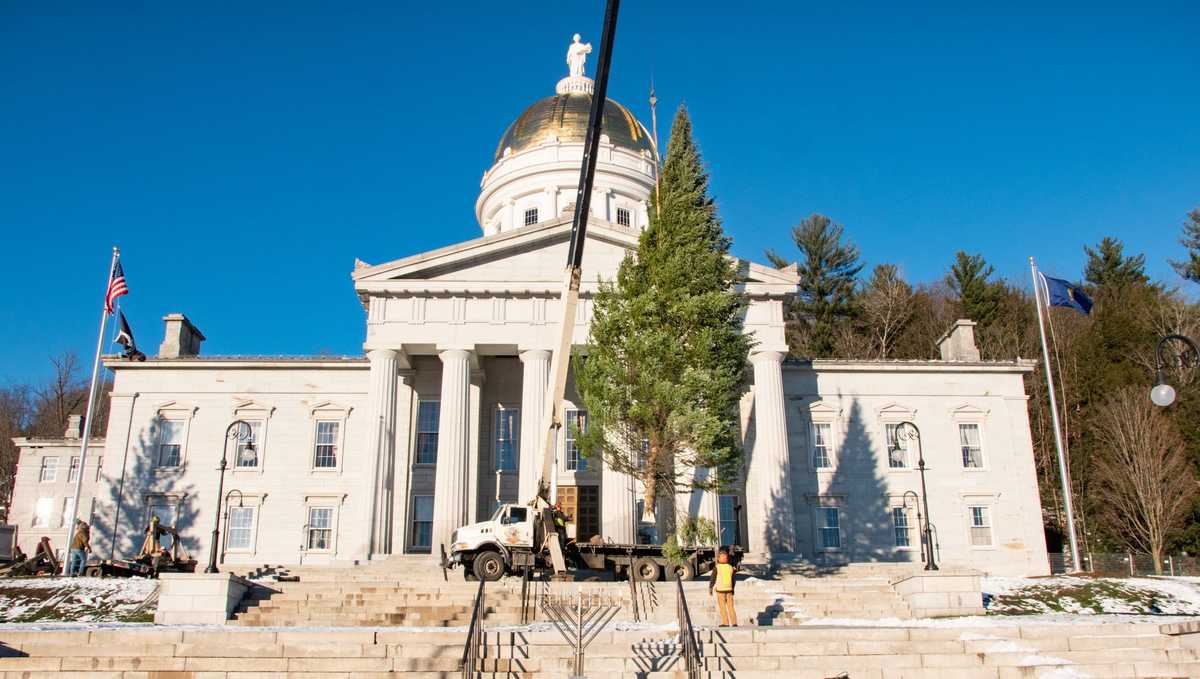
(552, 420)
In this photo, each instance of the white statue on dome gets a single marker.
(577, 56)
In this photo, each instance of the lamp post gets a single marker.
(243, 433)
(930, 562)
(1163, 394)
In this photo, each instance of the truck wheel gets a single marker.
(686, 571)
(646, 569)
(489, 566)
(93, 572)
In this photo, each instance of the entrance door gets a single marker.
(581, 504)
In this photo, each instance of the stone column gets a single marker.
(381, 409)
(617, 499)
(453, 451)
(475, 447)
(402, 458)
(768, 480)
(535, 375)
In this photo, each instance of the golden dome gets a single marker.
(564, 117)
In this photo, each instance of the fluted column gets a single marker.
(535, 375)
(768, 480)
(402, 459)
(617, 498)
(381, 442)
(453, 451)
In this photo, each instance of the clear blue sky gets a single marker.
(242, 157)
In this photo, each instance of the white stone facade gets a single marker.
(360, 458)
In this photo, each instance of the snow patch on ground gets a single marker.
(1092, 596)
(72, 599)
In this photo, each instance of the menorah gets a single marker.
(579, 618)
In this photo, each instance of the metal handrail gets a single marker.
(474, 642)
(687, 633)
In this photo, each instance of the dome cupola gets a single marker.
(535, 173)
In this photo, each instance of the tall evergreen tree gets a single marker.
(665, 361)
(828, 271)
(1190, 267)
(969, 279)
(1108, 266)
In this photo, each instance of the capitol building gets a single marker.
(360, 458)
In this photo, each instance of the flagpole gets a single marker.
(1058, 442)
(91, 402)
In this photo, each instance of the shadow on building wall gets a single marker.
(125, 501)
(868, 533)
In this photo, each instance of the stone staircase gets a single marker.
(1000, 649)
(838, 596)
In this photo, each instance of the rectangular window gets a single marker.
(428, 413)
(622, 216)
(576, 424)
(507, 432)
(422, 522)
(327, 439)
(647, 532)
(972, 449)
(531, 216)
(822, 434)
(49, 473)
(320, 528)
(73, 472)
(170, 443)
(981, 527)
(897, 447)
(831, 528)
(900, 525)
(729, 518)
(68, 512)
(248, 449)
(238, 533)
(42, 512)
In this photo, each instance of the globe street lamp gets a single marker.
(901, 427)
(243, 434)
(1163, 394)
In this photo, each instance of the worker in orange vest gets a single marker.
(722, 582)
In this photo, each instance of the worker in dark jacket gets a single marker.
(722, 582)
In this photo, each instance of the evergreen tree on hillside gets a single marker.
(1190, 267)
(1108, 266)
(969, 279)
(662, 377)
(828, 271)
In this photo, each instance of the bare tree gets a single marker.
(1146, 483)
(16, 410)
(59, 396)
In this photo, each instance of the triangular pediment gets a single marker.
(535, 255)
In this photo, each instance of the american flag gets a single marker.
(116, 287)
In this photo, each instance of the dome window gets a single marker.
(531, 216)
(623, 216)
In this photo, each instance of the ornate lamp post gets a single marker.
(1163, 394)
(930, 563)
(242, 433)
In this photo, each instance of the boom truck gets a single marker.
(516, 536)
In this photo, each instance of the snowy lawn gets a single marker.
(75, 599)
(1092, 596)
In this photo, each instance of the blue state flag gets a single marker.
(1062, 293)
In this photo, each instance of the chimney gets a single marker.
(74, 427)
(958, 344)
(181, 339)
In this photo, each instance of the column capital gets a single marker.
(534, 355)
(382, 354)
(767, 357)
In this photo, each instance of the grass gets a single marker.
(31, 600)
(1088, 596)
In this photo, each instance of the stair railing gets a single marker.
(474, 642)
(687, 633)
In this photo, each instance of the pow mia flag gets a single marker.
(125, 339)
